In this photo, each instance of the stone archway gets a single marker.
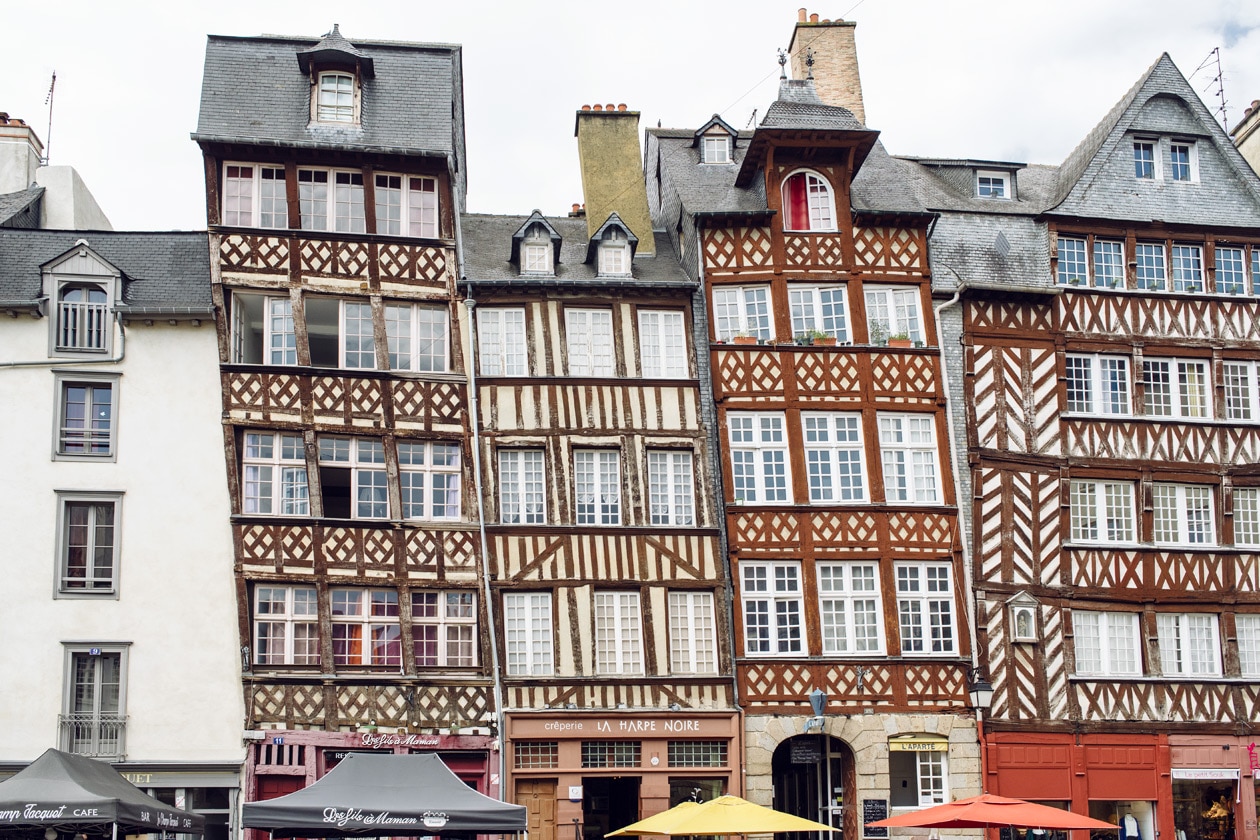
(813, 777)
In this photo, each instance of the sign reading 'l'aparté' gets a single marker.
(355, 816)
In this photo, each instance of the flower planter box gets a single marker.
(745, 339)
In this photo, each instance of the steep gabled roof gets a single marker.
(1096, 180)
(715, 120)
(335, 50)
(613, 221)
(536, 218)
(14, 207)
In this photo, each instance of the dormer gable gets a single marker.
(716, 141)
(82, 291)
(612, 248)
(336, 70)
(536, 246)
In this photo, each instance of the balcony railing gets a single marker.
(94, 735)
(82, 326)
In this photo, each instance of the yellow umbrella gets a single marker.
(724, 815)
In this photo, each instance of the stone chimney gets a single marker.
(835, 60)
(20, 154)
(612, 171)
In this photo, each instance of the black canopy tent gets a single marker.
(71, 794)
(370, 795)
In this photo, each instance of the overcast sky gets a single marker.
(996, 79)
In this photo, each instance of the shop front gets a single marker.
(208, 790)
(1214, 787)
(581, 775)
(282, 761)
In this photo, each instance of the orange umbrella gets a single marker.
(988, 811)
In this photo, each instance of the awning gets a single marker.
(385, 795)
(73, 794)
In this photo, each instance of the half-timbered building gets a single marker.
(1107, 310)
(850, 637)
(602, 539)
(334, 178)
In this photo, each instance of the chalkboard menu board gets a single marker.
(805, 751)
(874, 810)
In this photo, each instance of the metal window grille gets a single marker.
(611, 753)
(532, 755)
(697, 753)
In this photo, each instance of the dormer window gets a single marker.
(335, 98)
(807, 203)
(82, 290)
(536, 252)
(993, 184)
(82, 317)
(715, 149)
(614, 254)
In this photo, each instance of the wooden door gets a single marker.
(539, 798)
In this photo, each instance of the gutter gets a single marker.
(53, 363)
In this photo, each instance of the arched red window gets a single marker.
(807, 203)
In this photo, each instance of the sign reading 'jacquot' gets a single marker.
(34, 812)
(354, 815)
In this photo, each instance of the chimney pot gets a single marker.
(801, 14)
(576, 206)
(586, 107)
(599, 107)
(610, 107)
(621, 106)
(813, 18)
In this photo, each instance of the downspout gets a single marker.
(968, 602)
(487, 596)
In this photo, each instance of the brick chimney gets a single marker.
(835, 60)
(612, 170)
(20, 152)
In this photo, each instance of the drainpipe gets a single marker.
(475, 417)
(52, 363)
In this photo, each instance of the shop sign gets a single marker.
(1212, 773)
(918, 745)
(1253, 757)
(805, 751)
(371, 740)
(354, 817)
(647, 727)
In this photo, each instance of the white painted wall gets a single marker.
(176, 604)
(67, 203)
(19, 156)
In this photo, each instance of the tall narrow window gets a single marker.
(501, 342)
(238, 196)
(1181, 161)
(335, 101)
(1242, 390)
(406, 206)
(893, 312)
(773, 607)
(759, 456)
(662, 344)
(521, 487)
(590, 342)
(1152, 270)
(614, 254)
(1248, 626)
(907, 444)
(313, 198)
(1187, 268)
(94, 722)
(1247, 516)
(262, 330)
(833, 457)
(671, 490)
(537, 254)
(692, 636)
(618, 638)
(83, 318)
(1144, 159)
(1231, 275)
(1108, 264)
(527, 628)
(925, 608)
(88, 539)
(597, 487)
(1073, 268)
(849, 608)
(807, 203)
(422, 207)
(86, 411)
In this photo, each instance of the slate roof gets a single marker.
(168, 271)
(799, 106)
(254, 92)
(1096, 180)
(985, 249)
(14, 204)
(707, 187)
(949, 185)
(488, 248)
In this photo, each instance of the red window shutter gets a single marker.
(796, 203)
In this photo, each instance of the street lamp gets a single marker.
(817, 702)
(981, 692)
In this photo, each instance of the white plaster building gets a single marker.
(119, 609)
(34, 195)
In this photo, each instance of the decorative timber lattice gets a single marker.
(1018, 526)
(261, 254)
(1015, 398)
(412, 264)
(334, 258)
(835, 532)
(282, 546)
(888, 250)
(985, 316)
(426, 404)
(904, 377)
(783, 686)
(348, 400)
(827, 377)
(1168, 571)
(357, 551)
(749, 373)
(662, 557)
(275, 395)
(736, 249)
(1112, 700)
(1152, 440)
(354, 704)
(1160, 318)
(814, 250)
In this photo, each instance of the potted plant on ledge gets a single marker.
(901, 339)
(745, 338)
(878, 331)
